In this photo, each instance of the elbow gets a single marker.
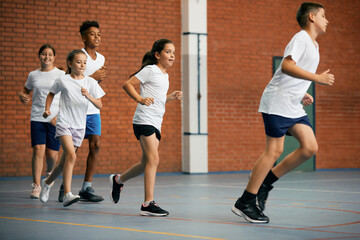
(125, 86)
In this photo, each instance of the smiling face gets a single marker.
(78, 64)
(166, 57)
(92, 37)
(47, 57)
(320, 21)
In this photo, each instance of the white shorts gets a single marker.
(77, 134)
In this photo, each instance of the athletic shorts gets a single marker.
(277, 126)
(145, 130)
(77, 134)
(44, 133)
(93, 125)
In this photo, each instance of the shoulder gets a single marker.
(33, 73)
(100, 56)
(59, 71)
(90, 80)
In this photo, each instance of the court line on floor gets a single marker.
(116, 228)
(312, 229)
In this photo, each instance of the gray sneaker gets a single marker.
(69, 199)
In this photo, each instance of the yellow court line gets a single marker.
(118, 228)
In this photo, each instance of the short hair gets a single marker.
(304, 11)
(86, 25)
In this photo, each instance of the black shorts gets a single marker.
(145, 130)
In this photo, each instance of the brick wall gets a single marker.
(128, 30)
(242, 39)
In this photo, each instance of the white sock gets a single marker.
(147, 203)
(117, 179)
(85, 185)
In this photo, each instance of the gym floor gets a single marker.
(302, 205)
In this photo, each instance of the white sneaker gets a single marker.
(69, 199)
(45, 191)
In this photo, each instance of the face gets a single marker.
(320, 21)
(78, 64)
(92, 37)
(167, 56)
(47, 57)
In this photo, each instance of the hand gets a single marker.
(85, 93)
(176, 95)
(46, 113)
(326, 78)
(24, 98)
(146, 101)
(100, 74)
(307, 100)
(53, 121)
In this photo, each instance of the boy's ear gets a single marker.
(311, 16)
(83, 38)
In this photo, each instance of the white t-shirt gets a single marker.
(73, 105)
(40, 82)
(154, 84)
(283, 95)
(91, 67)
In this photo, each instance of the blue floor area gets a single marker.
(303, 205)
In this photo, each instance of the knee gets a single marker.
(52, 155)
(153, 160)
(274, 154)
(38, 150)
(71, 157)
(309, 151)
(95, 146)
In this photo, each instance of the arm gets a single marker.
(100, 74)
(24, 95)
(289, 67)
(176, 95)
(307, 99)
(97, 102)
(49, 100)
(129, 87)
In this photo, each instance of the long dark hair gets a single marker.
(70, 58)
(45, 46)
(149, 57)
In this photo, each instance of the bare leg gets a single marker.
(135, 170)
(37, 162)
(308, 147)
(70, 159)
(150, 147)
(94, 148)
(274, 148)
(51, 157)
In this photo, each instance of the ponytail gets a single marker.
(149, 57)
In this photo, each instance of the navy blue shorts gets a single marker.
(44, 133)
(277, 126)
(145, 130)
(93, 125)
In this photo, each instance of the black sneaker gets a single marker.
(263, 195)
(61, 193)
(249, 211)
(115, 189)
(153, 210)
(89, 195)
